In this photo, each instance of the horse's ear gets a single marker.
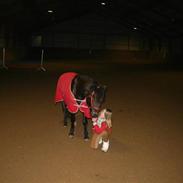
(94, 86)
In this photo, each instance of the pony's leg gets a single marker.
(85, 125)
(66, 117)
(73, 119)
(66, 113)
(63, 106)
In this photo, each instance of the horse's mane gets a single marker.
(83, 86)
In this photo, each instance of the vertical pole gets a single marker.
(128, 42)
(4, 53)
(41, 68)
(42, 57)
(3, 61)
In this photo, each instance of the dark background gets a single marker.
(132, 47)
(144, 31)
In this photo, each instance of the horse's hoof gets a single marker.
(71, 136)
(86, 139)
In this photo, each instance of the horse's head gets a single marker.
(96, 99)
(84, 87)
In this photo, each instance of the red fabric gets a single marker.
(64, 93)
(103, 127)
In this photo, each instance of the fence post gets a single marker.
(41, 68)
(4, 60)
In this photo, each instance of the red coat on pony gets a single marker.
(64, 93)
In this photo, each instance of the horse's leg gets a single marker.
(63, 106)
(66, 113)
(73, 119)
(85, 125)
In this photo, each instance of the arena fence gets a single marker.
(45, 58)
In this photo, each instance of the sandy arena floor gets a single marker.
(146, 144)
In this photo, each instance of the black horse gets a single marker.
(79, 92)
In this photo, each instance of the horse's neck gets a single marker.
(78, 88)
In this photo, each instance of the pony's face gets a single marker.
(96, 100)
